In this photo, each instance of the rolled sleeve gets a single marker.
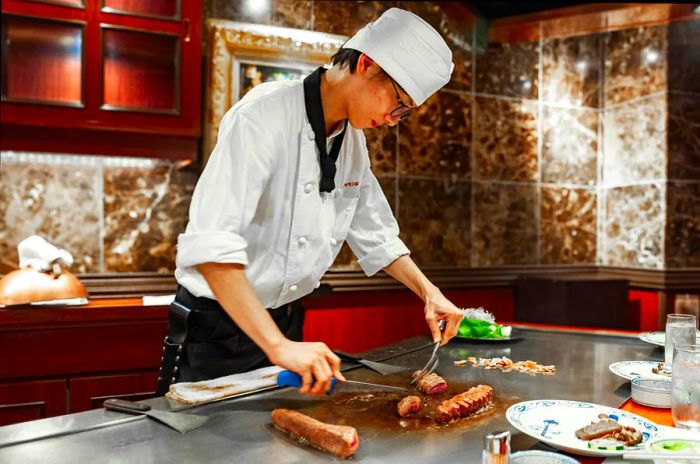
(383, 255)
(211, 247)
(227, 195)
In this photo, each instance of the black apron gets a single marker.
(204, 343)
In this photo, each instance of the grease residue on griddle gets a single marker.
(377, 410)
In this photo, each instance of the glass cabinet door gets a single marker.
(42, 61)
(163, 9)
(141, 71)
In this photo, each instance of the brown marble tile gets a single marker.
(291, 13)
(59, 202)
(434, 217)
(567, 226)
(456, 29)
(346, 260)
(569, 145)
(381, 144)
(435, 139)
(684, 56)
(635, 141)
(346, 17)
(145, 209)
(509, 69)
(571, 70)
(505, 224)
(505, 139)
(634, 226)
(683, 224)
(684, 135)
(635, 63)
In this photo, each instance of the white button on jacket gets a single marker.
(253, 202)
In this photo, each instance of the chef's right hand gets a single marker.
(313, 361)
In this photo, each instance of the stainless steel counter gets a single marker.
(240, 430)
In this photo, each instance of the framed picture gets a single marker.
(241, 56)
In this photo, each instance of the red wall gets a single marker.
(361, 321)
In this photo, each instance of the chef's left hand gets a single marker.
(438, 308)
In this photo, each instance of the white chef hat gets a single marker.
(408, 49)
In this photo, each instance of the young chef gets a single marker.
(287, 183)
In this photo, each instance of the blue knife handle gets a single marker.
(292, 379)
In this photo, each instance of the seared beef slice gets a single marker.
(431, 384)
(408, 406)
(340, 440)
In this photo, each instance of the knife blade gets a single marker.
(292, 379)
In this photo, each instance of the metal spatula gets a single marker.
(384, 369)
(180, 422)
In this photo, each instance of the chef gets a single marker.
(287, 183)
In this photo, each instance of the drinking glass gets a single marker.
(685, 402)
(680, 330)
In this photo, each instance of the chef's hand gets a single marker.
(314, 362)
(438, 308)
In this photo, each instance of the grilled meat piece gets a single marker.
(340, 440)
(408, 406)
(464, 404)
(598, 429)
(431, 384)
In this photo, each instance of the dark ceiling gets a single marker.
(494, 10)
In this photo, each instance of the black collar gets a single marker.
(314, 111)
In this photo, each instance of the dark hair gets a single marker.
(346, 57)
(349, 57)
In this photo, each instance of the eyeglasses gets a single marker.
(403, 110)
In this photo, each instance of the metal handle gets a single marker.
(188, 35)
(130, 407)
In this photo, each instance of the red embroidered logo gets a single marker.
(351, 184)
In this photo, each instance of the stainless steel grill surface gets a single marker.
(239, 430)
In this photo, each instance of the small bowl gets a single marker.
(541, 457)
(650, 392)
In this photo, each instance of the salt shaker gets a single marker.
(496, 448)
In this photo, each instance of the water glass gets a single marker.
(685, 402)
(680, 330)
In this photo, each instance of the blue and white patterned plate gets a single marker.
(555, 422)
(631, 369)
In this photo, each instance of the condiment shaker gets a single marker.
(496, 448)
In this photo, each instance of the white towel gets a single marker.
(223, 387)
(36, 252)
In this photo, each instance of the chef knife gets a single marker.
(292, 379)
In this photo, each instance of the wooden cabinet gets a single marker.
(24, 401)
(90, 392)
(64, 360)
(101, 69)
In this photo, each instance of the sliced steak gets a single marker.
(431, 384)
(408, 406)
(340, 440)
(464, 404)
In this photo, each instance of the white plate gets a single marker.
(657, 338)
(555, 422)
(631, 369)
(541, 457)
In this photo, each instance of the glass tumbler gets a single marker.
(680, 330)
(685, 400)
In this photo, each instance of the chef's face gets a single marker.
(380, 101)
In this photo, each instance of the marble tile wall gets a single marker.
(112, 214)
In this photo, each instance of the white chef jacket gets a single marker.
(257, 202)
